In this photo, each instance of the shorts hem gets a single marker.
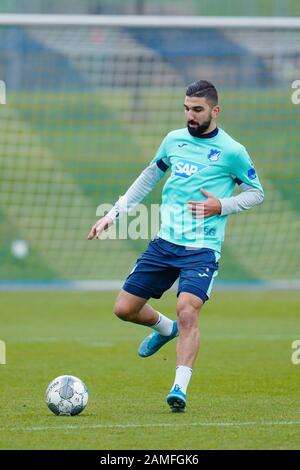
(197, 292)
(139, 291)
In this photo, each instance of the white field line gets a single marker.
(117, 339)
(151, 425)
(153, 21)
(114, 285)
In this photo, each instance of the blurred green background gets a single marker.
(87, 108)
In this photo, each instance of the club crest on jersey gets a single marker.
(185, 169)
(252, 174)
(214, 155)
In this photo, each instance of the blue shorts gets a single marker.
(163, 262)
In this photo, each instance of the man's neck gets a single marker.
(209, 135)
(212, 127)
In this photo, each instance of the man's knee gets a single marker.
(187, 318)
(127, 306)
(123, 310)
(188, 313)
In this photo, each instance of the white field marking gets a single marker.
(96, 343)
(115, 285)
(152, 425)
(153, 21)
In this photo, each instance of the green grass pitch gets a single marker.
(244, 393)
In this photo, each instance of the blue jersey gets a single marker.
(215, 162)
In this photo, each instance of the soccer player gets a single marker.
(205, 164)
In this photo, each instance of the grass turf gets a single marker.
(244, 393)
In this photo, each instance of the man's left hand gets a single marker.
(212, 206)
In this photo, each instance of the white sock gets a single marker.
(182, 378)
(163, 325)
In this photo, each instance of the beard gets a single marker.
(200, 129)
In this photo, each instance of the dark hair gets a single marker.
(203, 89)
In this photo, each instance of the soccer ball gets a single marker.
(66, 395)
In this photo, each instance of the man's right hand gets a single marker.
(102, 224)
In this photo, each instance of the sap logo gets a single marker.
(214, 155)
(252, 174)
(186, 169)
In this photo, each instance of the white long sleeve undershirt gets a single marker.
(142, 186)
(248, 198)
(148, 179)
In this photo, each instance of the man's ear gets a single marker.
(216, 110)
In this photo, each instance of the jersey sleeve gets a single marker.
(243, 170)
(161, 158)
